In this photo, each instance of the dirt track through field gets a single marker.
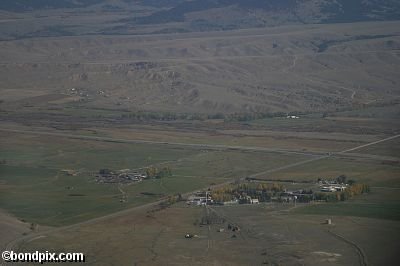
(360, 252)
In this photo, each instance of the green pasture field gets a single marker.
(371, 210)
(381, 112)
(374, 173)
(233, 164)
(340, 122)
(383, 202)
(387, 148)
(34, 188)
(61, 153)
(379, 204)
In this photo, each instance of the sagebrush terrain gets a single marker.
(304, 69)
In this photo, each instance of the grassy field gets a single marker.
(389, 148)
(273, 233)
(88, 72)
(267, 236)
(34, 188)
(273, 138)
(89, 85)
(31, 172)
(374, 173)
(381, 203)
(61, 153)
(371, 210)
(279, 133)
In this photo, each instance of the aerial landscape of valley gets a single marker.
(200, 132)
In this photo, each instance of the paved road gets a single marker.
(12, 245)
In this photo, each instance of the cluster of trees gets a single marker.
(252, 116)
(211, 218)
(310, 181)
(154, 172)
(328, 197)
(261, 191)
(162, 116)
(265, 191)
(342, 179)
(174, 199)
(170, 116)
(353, 190)
(219, 196)
(223, 194)
(170, 200)
(274, 187)
(242, 117)
(105, 171)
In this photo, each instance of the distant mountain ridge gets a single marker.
(27, 5)
(361, 10)
(118, 54)
(178, 12)
(303, 11)
(127, 17)
(329, 11)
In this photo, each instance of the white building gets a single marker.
(254, 201)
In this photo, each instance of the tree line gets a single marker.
(267, 191)
(261, 191)
(154, 172)
(351, 191)
(171, 116)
